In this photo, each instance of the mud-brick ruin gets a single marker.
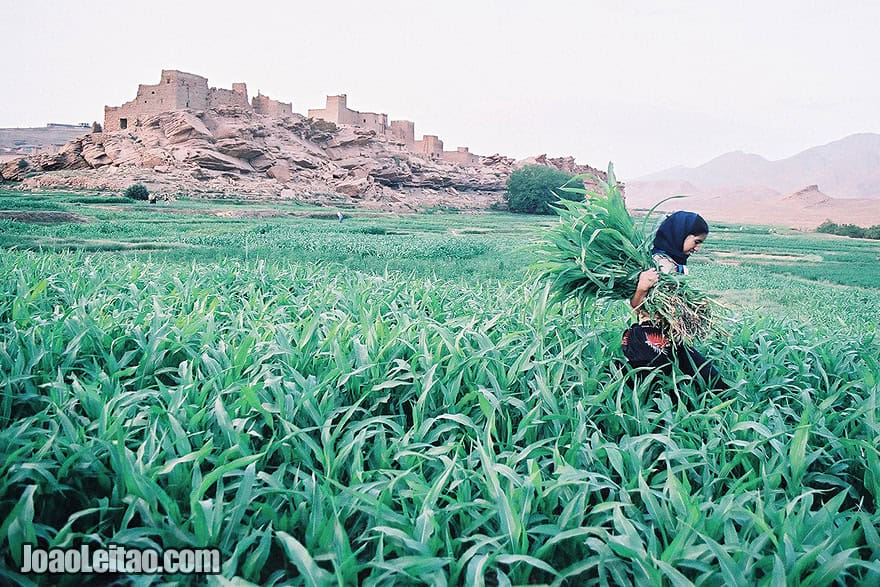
(178, 90)
(181, 136)
(338, 112)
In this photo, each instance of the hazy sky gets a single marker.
(647, 85)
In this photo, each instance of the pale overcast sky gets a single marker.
(647, 85)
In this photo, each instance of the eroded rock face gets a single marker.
(180, 126)
(235, 152)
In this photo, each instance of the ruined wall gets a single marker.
(338, 105)
(373, 121)
(333, 110)
(179, 90)
(461, 155)
(237, 96)
(429, 145)
(404, 131)
(176, 90)
(192, 90)
(338, 112)
(269, 107)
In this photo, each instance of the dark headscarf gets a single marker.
(669, 239)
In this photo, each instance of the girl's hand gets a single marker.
(647, 280)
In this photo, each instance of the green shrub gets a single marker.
(850, 230)
(827, 227)
(873, 232)
(137, 191)
(323, 126)
(533, 188)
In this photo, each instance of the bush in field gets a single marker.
(137, 191)
(827, 227)
(850, 230)
(533, 188)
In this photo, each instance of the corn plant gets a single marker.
(327, 427)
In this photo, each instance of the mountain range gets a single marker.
(839, 181)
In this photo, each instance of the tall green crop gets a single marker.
(322, 426)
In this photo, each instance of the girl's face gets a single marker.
(693, 242)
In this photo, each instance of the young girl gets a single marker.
(644, 344)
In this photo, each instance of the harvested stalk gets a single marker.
(597, 252)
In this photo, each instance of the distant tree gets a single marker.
(96, 127)
(827, 227)
(851, 230)
(22, 164)
(137, 192)
(873, 232)
(533, 188)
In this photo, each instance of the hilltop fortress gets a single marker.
(181, 136)
(178, 90)
(338, 112)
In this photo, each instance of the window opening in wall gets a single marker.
(123, 123)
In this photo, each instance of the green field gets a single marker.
(392, 401)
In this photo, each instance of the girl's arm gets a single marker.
(647, 279)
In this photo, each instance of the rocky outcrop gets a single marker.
(235, 152)
(809, 196)
(210, 159)
(180, 126)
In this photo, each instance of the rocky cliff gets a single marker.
(234, 152)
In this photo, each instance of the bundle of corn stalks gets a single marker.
(597, 252)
